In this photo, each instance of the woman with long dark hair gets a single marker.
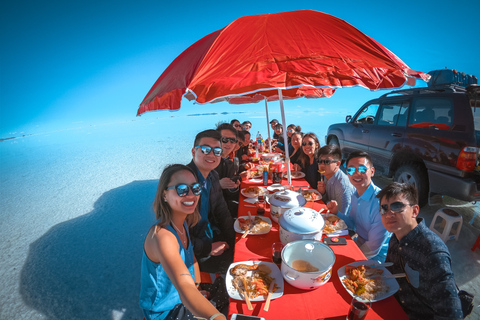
(307, 161)
(169, 268)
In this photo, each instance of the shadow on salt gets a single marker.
(89, 267)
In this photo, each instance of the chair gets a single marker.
(447, 219)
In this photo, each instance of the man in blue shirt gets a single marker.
(213, 237)
(429, 290)
(363, 215)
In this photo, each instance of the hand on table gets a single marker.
(218, 248)
(227, 183)
(296, 167)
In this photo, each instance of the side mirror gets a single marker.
(348, 118)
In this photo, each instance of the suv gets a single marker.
(429, 137)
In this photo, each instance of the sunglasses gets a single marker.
(310, 143)
(182, 189)
(395, 207)
(207, 149)
(290, 130)
(231, 140)
(327, 162)
(360, 169)
(237, 125)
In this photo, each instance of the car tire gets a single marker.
(334, 141)
(414, 174)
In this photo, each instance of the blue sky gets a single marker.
(70, 62)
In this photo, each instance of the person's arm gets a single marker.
(163, 247)
(442, 294)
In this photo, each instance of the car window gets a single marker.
(393, 114)
(432, 113)
(367, 114)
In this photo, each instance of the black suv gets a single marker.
(429, 137)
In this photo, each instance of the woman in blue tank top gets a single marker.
(169, 269)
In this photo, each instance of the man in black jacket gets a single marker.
(213, 237)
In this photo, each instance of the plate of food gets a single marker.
(253, 278)
(276, 187)
(255, 174)
(333, 225)
(294, 175)
(260, 225)
(367, 280)
(311, 195)
(253, 192)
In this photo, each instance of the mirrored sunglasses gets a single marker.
(290, 130)
(309, 143)
(395, 207)
(231, 140)
(327, 162)
(360, 169)
(182, 189)
(207, 149)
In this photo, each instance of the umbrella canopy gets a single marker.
(304, 53)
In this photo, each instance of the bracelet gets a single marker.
(216, 315)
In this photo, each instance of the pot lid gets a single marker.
(302, 220)
(287, 199)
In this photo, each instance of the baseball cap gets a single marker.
(274, 120)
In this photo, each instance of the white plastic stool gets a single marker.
(448, 219)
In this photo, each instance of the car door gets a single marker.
(386, 137)
(357, 133)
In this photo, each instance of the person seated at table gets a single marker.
(273, 123)
(229, 179)
(429, 290)
(169, 269)
(307, 161)
(291, 129)
(236, 124)
(247, 125)
(297, 138)
(279, 144)
(239, 151)
(213, 237)
(242, 153)
(337, 185)
(363, 215)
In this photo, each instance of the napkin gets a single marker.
(337, 233)
(251, 200)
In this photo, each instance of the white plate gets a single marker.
(276, 186)
(341, 227)
(298, 175)
(256, 180)
(319, 195)
(236, 225)
(391, 283)
(233, 293)
(252, 194)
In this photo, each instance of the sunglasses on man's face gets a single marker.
(237, 125)
(327, 162)
(207, 149)
(309, 143)
(231, 140)
(182, 189)
(395, 207)
(360, 169)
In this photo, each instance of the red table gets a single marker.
(330, 301)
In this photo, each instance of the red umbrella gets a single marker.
(305, 53)
(274, 56)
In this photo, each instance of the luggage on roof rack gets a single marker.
(451, 76)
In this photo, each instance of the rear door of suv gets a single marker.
(387, 137)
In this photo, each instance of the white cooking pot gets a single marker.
(281, 201)
(300, 223)
(313, 252)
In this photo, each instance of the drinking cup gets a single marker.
(358, 309)
(277, 252)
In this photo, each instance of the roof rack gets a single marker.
(451, 87)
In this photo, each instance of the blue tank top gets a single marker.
(158, 295)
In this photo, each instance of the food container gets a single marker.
(307, 255)
(281, 201)
(269, 157)
(299, 224)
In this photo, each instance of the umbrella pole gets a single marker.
(285, 137)
(268, 128)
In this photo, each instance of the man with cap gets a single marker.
(273, 123)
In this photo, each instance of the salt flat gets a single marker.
(76, 205)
